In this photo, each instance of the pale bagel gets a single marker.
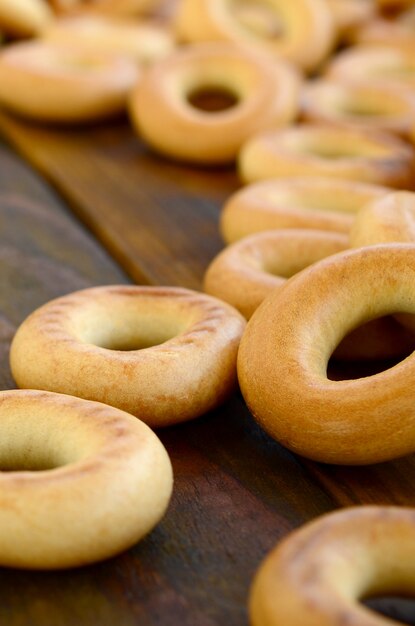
(264, 94)
(321, 150)
(49, 83)
(285, 349)
(300, 31)
(307, 202)
(319, 573)
(163, 354)
(381, 65)
(84, 481)
(141, 41)
(357, 105)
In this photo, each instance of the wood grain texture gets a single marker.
(236, 491)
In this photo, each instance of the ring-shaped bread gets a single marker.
(370, 107)
(110, 7)
(50, 83)
(301, 31)
(306, 202)
(163, 354)
(265, 94)
(385, 220)
(283, 357)
(244, 273)
(335, 152)
(81, 481)
(144, 42)
(318, 574)
(24, 18)
(380, 65)
(351, 15)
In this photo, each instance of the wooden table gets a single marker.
(112, 212)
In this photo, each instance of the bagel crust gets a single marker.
(307, 202)
(84, 481)
(246, 272)
(385, 220)
(318, 574)
(24, 18)
(370, 107)
(266, 94)
(164, 354)
(49, 83)
(304, 29)
(283, 357)
(319, 150)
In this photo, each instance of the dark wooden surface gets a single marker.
(236, 491)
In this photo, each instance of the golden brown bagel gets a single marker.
(318, 150)
(81, 481)
(318, 574)
(24, 18)
(163, 354)
(301, 31)
(369, 107)
(306, 202)
(380, 65)
(285, 349)
(247, 271)
(141, 41)
(263, 93)
(396, 33)
(385, 220)
(64, 85)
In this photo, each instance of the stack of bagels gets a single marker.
(314, 102)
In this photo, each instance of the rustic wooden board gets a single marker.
(236, 491)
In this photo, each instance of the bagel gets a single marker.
(262, 94)
(300, 31)
(81, 481)
(246, 272)
(397, 33)
(350, 15)
(163, 354)
(308, 202)
(55, 84)
(319, 573)
(371, 107)
(375, 65)
(111, 7)
(142, 41)
(24, 18)
(385, 220)
(285, 349)
(318, 150)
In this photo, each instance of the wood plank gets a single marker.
(158, 219)
(236, 491)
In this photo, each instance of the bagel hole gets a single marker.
(343, 147)
(370, 349)
(212, 99)
(401, 609)
(258, 18)
(367, 109)
(131, 331)
(29, 461)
